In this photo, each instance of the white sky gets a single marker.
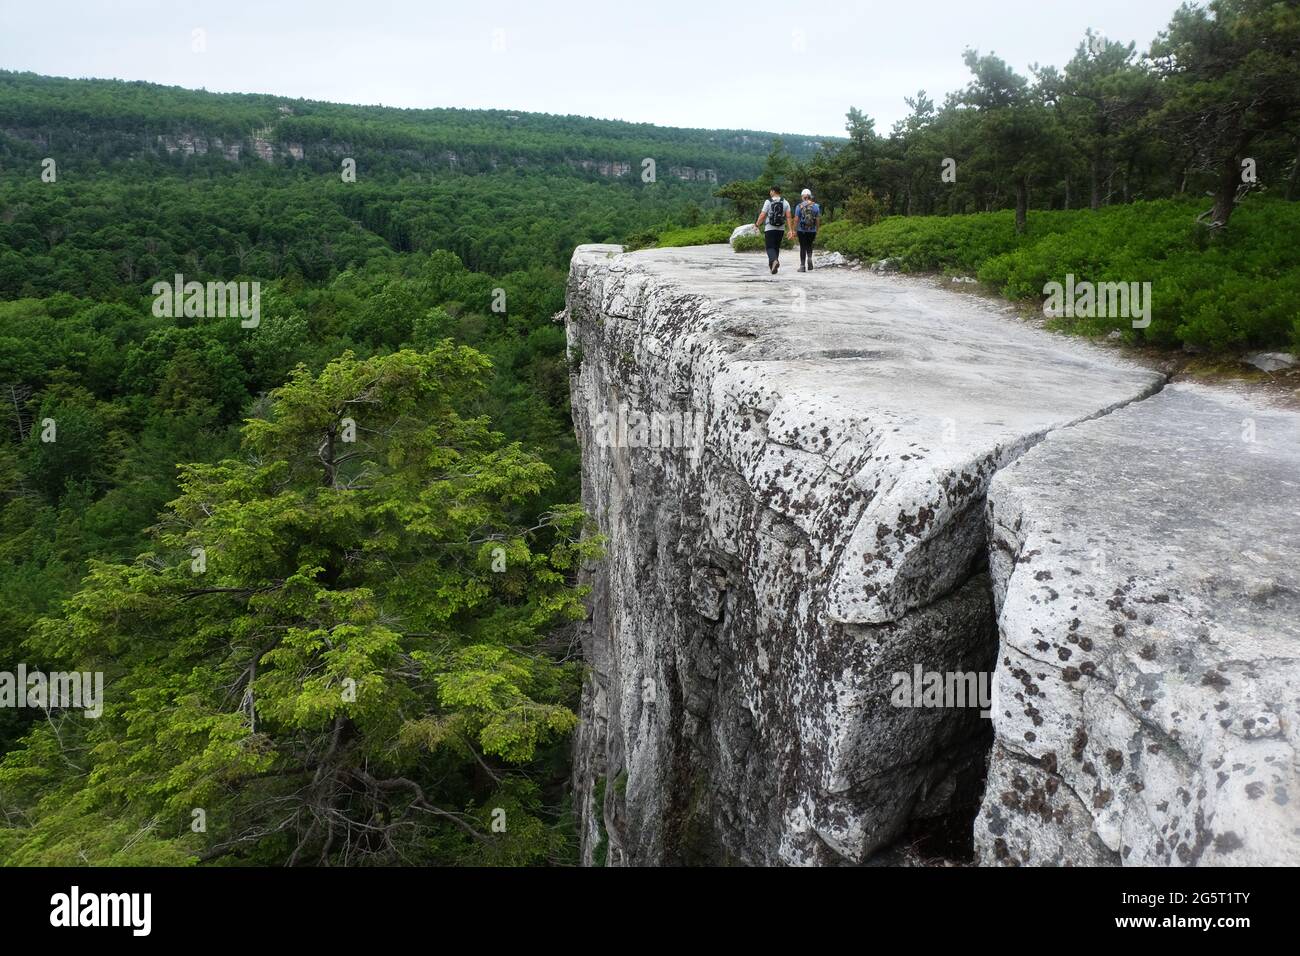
(702, 63)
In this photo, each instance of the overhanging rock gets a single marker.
(791, 474)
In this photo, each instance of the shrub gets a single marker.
(641, 240)
(756, 244)
(1234, 290)
(705, 235)
(702, 235)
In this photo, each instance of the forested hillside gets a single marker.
(120, 120)
(154, 178)
(348, 656)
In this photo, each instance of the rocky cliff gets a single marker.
(1147, 570)
(802, 607)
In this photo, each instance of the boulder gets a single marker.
(748, 229)
(1270, 361)
(831, 260)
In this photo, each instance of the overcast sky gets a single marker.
(702, 63)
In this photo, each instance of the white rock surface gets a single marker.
(826, 530)
(1146, 567)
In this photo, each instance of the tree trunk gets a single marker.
(17, 402)
(1295, 174)
(1022, 203)
(1095, 201)
(1225, 194)
(1067, 190)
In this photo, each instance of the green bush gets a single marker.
(646, 239)
(756, 244)
(705, 235)
(702, 235)
(1234, 290)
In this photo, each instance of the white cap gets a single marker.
(806, 192)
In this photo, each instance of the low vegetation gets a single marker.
(1215, 291)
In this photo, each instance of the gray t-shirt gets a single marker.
(767, 209)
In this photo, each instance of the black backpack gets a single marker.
(777, 216)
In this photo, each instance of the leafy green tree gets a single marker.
(69, 442)
(860, 157)
(779, 165)
(1016, 130)
(1102, 95)
(916, 155)
(336, 649)
(745, 195)
(827, 182)
(1231, 74)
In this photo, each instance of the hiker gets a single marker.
(809, 216)
(776, 213)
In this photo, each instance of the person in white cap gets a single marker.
(809, 216)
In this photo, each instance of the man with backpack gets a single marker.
(779, 224)
(809, 216)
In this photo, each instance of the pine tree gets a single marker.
(335, 652)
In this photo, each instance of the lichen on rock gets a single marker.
(792, 473)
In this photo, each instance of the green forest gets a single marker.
(371, 654)
(326, 561)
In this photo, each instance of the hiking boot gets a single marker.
(801, 269)
(776, 264)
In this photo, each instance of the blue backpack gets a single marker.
(807, 213)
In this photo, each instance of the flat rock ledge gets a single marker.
(793, 479)
(1146, 569)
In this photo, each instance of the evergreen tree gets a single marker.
(334, 653)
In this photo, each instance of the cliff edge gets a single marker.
(794, 640)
